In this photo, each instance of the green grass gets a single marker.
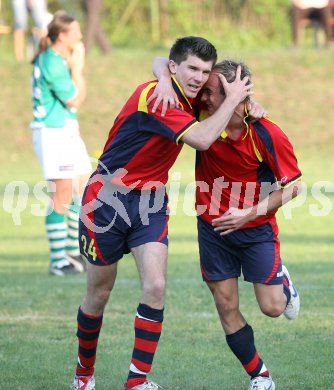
(38, 312)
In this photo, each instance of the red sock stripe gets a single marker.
(145, 345)
(84, 371)
(88, 344)
(252, 364)
(141, 365)
(148, 325)
(87, 362)
(90, 315)
(89, 330)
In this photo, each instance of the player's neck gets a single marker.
(60, 49)
(235, 128)
(234, 133)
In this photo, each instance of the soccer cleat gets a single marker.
(83, 383)
(63, 267)
(148, 385)
(261, 383)
(292, 308)
(77, 261)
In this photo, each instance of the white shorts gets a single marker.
(61, 151)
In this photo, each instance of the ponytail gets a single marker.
(44, 43)
(60, 23)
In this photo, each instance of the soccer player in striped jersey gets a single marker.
(242, 179)
(249, 172)
(58, 89)
(125, 203)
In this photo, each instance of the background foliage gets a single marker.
(237, 23)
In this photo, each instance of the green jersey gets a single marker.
(52, 88)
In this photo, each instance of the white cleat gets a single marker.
(148, 385)
(83, 383)
(63, 267)
(77, 262)
(292, 308)
(261, 383)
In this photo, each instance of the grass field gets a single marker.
(38, 312)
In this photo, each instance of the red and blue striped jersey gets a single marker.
(242, 172)
(142, 146)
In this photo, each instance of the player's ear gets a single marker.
(172, 66)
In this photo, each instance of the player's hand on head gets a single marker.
(256, 111)
(163, 93)
(239, 89)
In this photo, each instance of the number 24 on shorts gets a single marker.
(89, 249)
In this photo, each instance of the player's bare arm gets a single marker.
(205, 133)
(164, 91)
(235, 218)
(202, 135)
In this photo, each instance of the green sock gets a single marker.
(72, 240)
(56, 231)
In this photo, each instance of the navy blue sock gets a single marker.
(243, 346)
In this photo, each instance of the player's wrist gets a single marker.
(166, 78)
(232, 100)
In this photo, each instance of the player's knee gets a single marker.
(272, 309)
(99, 297)
(225, 303)
(155, 288)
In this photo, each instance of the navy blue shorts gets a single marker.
(254, 251)
(114, 221)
